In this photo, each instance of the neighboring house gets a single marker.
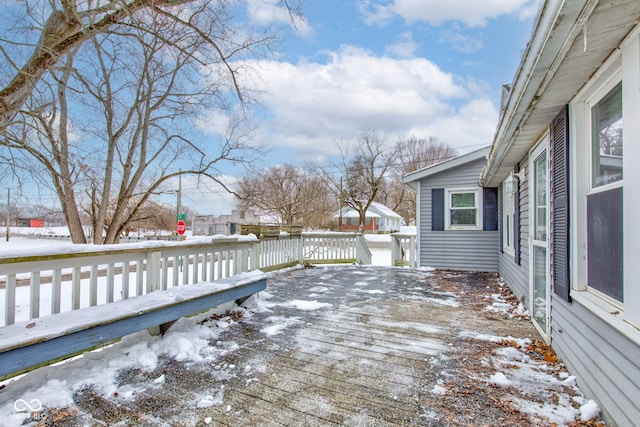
(378, 219)
(565, 150)
(30, 222)
(457, 219)
(208, 225)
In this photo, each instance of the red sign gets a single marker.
(181, 227)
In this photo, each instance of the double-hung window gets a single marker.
(599, 124)
(604, 196)
(463, 209)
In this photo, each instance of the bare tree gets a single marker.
(114, 121)
(412, 154)
(296, 196)
(364, 166)
(154, 216)
(45, 31)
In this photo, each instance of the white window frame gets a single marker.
(478, 206)
(508, 220)
(582, 151)
(591, 102)
(623, 65)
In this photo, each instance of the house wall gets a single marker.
(604, 360)
(517, 276)
(472, 250)
(389, 224)
(371, 227)
(596, 338)
(604, 357)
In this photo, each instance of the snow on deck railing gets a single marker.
(40, 283)
(403, 249)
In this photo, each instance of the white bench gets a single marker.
(29, 344)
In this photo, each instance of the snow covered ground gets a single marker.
(30, 398)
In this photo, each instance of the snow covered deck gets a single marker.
(361, 346)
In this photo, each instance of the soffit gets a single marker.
(606, 27)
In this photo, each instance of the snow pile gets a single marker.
(438, 388)
(500, 379)
(538, 386)
(186, 341)
(589, 411)
(306, 305)
(521, 342)
(210, 400)
(278, 324)
(505, 304)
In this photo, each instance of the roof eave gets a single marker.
(412, 178)
(556, 27)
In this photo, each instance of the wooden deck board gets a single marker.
(365, 359)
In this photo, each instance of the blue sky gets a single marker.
(399, 67)
(425, 68)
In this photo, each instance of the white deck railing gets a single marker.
(335, 247)
(41, 284)
(403, 249)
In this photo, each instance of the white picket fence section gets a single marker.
(403, 250)
(49, 283)
(338, 247)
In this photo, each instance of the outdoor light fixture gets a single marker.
(511, 184)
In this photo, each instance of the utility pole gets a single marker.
(179, 207)
(340, 223)
(8, 211)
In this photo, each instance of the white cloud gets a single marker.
(469, 128)
(266, 12)
(455, 37)
(375, 14)
(405, 47)
(213, 123)
(204, 195)
(311, 104)
(470, 12)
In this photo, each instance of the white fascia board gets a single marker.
(446, 165)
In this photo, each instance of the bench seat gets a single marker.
(32, 343)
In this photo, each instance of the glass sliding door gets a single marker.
(539, 242)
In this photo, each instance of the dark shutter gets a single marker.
(490, 214)
(516, 221)
(437, 209)
(560, 205)
(501, 216)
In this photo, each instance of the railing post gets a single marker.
(401, 244)
(153, 271)
(413, 249)
(363, 254)
(255, 256)
(75, 288)
(34, 292)
(395, 244)
(300, 249)
(10, 300)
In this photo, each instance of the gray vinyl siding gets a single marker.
(514, 275)
(606, 363)
(472, 250)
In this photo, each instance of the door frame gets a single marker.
(541, 147)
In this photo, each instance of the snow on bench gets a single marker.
(32, 343)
